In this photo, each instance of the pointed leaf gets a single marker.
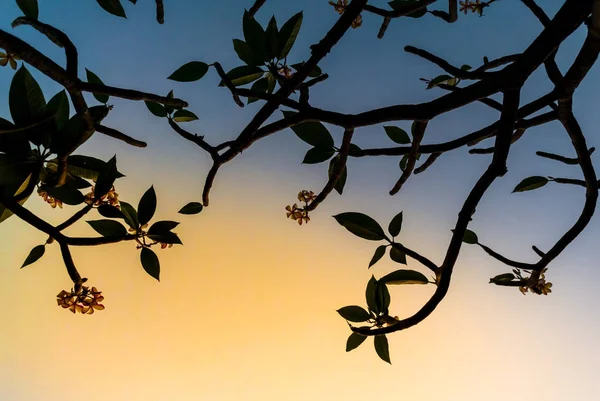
(150, 263)
(59, 107)
(397, 255)
(94, 79)
(183, 116)
(67, 194)
(382, 297)
(157, 109)
(395, 225)
(354, 313)
(166, 238)
(147, 206)
(189, 72)
(26, 99)
(191, 208)
(341, 182)
(288, 34)
(106, 178)
(131, 217)
(254, 34)
(314, 133)
(111, 212)
(502, 278)
(261, 86)
(397, 134)
(245, 53)
(108, 228)
(243, 75)
(379, 252)
(371, 295)
(470, 237)
(318, 155)
(114, 7)
(271, 39)
(382, 348)
(35, 254)
(404, 277)
(162, 227)
(361, 225)
(29, 8)
(531, 183)
(354, 341)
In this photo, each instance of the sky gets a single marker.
(246, 309)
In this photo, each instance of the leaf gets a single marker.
(162, 227)
(262, 86)
(29, 8)
(35, 255)
(371, 295)
(147, 206)
(157, 109)
(169, 109)
(243, 75)
(272, 82)
(400, 5)
(354, 150)
(62, 142)
(354, 341)
(361, 225)
(255, 37)
(85, 166)
(271, 39)
(183, 116)
(94, 79)
(470, 237)
(400, 277)
(313, 132)
(403, 162)
(315, 72)
(66, 194)
(440, 79)
(341, 182)
(15, 173)
(379, 252)
(354, 313)
(382, 348)
(397, 134)
(502, 278)
(108, 228)
(130, 214)
(111, 212)
(166, 238)
(382, 297)
(531, 183)
(395, 225)
(318, 155)
(397, 255)
(106, 178)
(59, 107)
(114, 7)
(150, 263)
(189, 72)
(466, 67)
(12, 142)
(26, 99)
(288, 34)
(245, 53)
(191, 208)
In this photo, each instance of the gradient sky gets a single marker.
(246, 309)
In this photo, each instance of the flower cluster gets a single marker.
(110, 198)
(286, 72)
(9, 58)
(85, 301)
(541, 286)
(474, 6)
(340, 7)
(50, 199)
(300, 214)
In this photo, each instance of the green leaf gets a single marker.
(162, 227)
(35, 255)
(26, 99)
(254, 34)
(108, 228)
(85, 166)
(379, 252)
(150, 263)
(315, 72)
(245, 53)
(262, 86)
(400, 5)
(59, 106)
(191, 208)
(400, 277)
(502, 278)
(371, 295)
(531, 183)
(354, 341)
(170, 109)
(94, 79)
(288, 34)
(29, 8)
(15, 173)
(157, 109)
(354, 313)
(66, 194)
(106, 178)
(465, 67)
(395, 225)
(147, 206)
(397, 255)
(271, 39)
(272, 82)
(183, 116)
(12, 142)
(131, 216)
(382, 297)
(470, 237)
(166, 238)
(243, 75)
(361, 225)
(114, 7)
(382, 348)
(111, 212)
(63, 141)
(397, 134)
(313, 132)
(341, 182)
(318, 155)
(189, 72)
(354, 150)
(440, 79)
(403, 162)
